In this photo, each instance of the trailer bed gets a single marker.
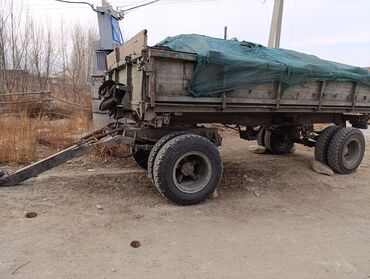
(172, 73)
(159, 79)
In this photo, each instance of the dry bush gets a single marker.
(120, 151)
(25, 139)
(61, 133)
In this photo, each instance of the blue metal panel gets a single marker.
(116, 31)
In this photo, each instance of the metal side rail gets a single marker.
(102, 137)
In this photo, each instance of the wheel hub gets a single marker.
(187, 169)
(192, 172)
(351, 152)
(283, 141)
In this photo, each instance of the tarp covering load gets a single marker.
(231, 64)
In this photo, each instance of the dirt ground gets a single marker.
(274, 218)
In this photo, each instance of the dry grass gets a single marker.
(24, 139)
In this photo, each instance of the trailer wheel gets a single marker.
(346, 150)
(277, 143)
(322, 144)
(187, 169)
(158, 146)
(141, 157)
(260, 136)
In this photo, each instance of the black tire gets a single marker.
(322, 144)
(187, 169)
(277, 143)
(261, 137)
(154, 152)
(346, 150)
(141, 158)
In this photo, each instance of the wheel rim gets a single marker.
(192, 172)
(351, 153)
(283, 141)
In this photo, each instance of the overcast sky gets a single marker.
(336, 30)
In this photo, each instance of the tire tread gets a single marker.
(157, 147)
(260, 137)
(335, 149)
(322, 144)
(164, 152)
(267, 140)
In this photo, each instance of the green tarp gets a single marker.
(230, 64)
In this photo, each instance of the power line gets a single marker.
(75, 2)
(120, 3)
(36, 7)
(168, 2)
(140, 5)
(159, 2)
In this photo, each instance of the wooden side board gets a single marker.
(173, 73)
(134, 46)
(161, 81)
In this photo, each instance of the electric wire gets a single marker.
(119, 4)
(77, 2)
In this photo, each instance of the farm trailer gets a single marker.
(146, 93)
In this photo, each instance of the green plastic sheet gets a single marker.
(230, 64)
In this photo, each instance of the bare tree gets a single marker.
(3, 42)
(30, 54)
(42, 54)
(13, 48)
(81, 53)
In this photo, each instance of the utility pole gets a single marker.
(110, 37)
(276, 22)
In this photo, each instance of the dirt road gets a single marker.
(274, 218)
